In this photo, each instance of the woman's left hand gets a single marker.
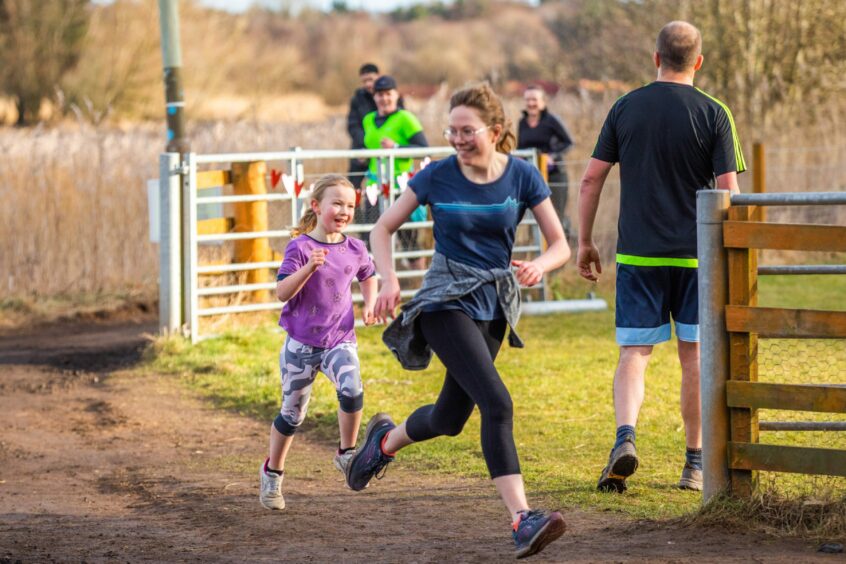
(528, 273)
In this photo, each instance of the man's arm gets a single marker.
(589, 193)
(728, 181)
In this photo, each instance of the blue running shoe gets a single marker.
(536, 529)
(369, 460)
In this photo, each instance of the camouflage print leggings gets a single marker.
(299, 364)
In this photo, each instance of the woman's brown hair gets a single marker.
(484, 100)
(309, 219)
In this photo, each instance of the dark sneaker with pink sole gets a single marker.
(535, 530)
(369, 460)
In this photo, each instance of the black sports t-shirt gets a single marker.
(670, 140)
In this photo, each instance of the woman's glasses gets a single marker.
(465, 133)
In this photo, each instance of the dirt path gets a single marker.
(97, 465)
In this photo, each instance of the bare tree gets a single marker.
(40, 40)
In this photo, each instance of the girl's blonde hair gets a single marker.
(309, 219)
(484, 100)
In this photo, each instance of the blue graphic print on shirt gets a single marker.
(476, 223)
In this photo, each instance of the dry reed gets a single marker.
(74, 214)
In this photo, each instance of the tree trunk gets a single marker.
(20, 104)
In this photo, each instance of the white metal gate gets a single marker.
(181, 297)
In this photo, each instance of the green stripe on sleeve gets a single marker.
(634, 260)
(738, 151)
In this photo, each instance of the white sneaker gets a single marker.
(343, 460)
(270, 494)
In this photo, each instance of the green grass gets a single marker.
(560, 383)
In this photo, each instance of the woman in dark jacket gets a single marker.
(541, 130)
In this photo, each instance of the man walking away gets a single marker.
(671, 139)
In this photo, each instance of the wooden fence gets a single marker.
(746, 322)
(731, 237)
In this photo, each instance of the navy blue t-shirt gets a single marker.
(475, 224)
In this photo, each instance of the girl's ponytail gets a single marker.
(307, 223)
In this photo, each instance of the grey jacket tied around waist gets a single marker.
(448, 280)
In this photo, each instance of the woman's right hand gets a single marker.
(388, 298)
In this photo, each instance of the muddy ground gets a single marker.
(101, 465)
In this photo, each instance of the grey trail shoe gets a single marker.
(343, 460)
(622, 463)
(691, 479)
(270, 494)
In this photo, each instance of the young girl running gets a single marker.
(468, 299)
(314, 280)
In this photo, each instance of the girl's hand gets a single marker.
(528, 273)
(367, 316)
(316, 259)
(388, 298)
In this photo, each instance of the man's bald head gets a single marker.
(679, 44)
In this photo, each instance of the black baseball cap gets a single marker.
(368, 68)
(384, 82)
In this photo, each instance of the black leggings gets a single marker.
(468, 349)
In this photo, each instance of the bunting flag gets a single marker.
(402, 181)
(288, 183)
(300, 182)
(372, 193)
(275, 176)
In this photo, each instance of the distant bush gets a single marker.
(773, 63)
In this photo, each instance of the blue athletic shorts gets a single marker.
(647, 296)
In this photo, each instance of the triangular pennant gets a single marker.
(386, 190)
(298, 187)
(275, 176)
(402, 181)
(425, 162)
(372, 193)
(288, 183)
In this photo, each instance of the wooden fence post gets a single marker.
(249, 179)
(743, 348)
(543, 162)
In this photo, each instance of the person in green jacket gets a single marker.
(392, 127)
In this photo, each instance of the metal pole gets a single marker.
(790, 199)
(172, 62)
(170, 248)
(189, 256)
(711, 211)
(759, 175)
